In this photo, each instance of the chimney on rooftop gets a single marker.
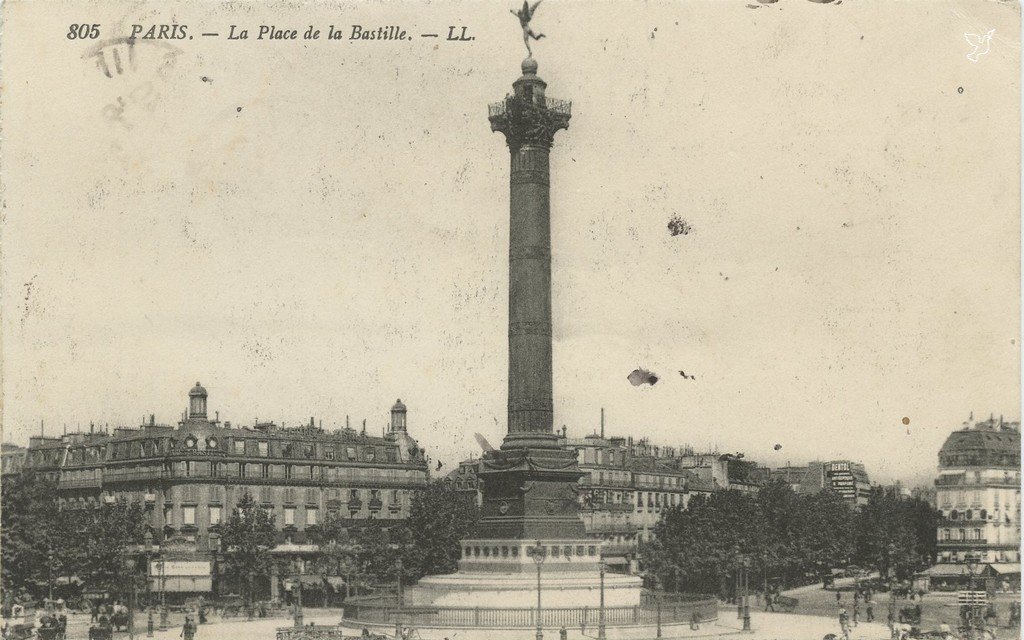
(602, 422)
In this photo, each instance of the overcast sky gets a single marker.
(319, 228)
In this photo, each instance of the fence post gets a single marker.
(636, 614)
(476, 616)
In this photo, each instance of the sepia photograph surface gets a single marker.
(481, 320)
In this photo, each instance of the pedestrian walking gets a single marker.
(856, 612)
(844, 623)
(769, 602)
(839, 596)
(188, 630)
(869, 609)
(563, 634)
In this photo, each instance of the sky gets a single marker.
(316, 228)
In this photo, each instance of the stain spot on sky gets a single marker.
(642, 376)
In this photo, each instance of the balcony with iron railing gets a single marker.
(80, 483)
(963, 543)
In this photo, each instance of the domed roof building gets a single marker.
(978, 496)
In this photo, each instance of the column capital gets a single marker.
(529, 122)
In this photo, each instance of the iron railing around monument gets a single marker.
(310, 632)
(385, 610)
(502, 108)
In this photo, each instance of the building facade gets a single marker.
(724, 471)
(189, 477)
(846, 478)
(12, 459)
(977, 491)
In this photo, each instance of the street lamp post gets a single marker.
(49, 572)
(539, 554)
(163, 594)
(746, 593)
(398, 596)
(250, 596)
(130, 567)
(298, 594)
(149, 594)
(600, 615)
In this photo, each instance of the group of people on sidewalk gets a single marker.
(861, 596)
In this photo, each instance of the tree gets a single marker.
(789, 539)
(97, 542)
(248, 537)
(440, 517)
(31, 540)
(337, 552)
(42, 542)
(895, 534)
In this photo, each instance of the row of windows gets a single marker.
(961, 534)
(985, 556)
(203, 469)
(310, 495)
(239, 446)
(949, 498)
(215, 516)
(553, 551)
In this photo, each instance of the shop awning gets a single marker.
(1006, 568)
(946, 571)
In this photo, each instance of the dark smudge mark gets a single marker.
(679, 227)
(686, 377)
(642, 376)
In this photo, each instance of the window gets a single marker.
(329, 453)
(168, 515)
(353, 495)
(240, 447)
(307, 450)
(977, 534)
(289, 495)
(214, 516)
(369, 454)
(266, 495)
(266, 471)
(311, 496)
(312, 516)
(188, 516)
(264, 449)
(289, 516)
(350, 453)
(395, 497)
